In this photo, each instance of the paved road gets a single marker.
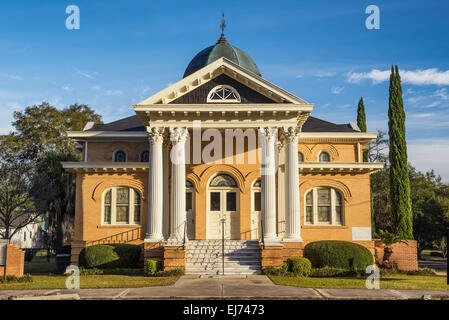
(251, 287)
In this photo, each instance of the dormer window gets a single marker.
(223, 94)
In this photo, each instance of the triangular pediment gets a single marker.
(257, 89)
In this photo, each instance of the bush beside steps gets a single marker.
(293, 267)
(110, 256)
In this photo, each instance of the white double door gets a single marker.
(223, 204)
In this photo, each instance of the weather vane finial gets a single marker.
(223, 24)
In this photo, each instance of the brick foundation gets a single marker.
(15, 262)
(404, 255)
(174, 257)
(271, 256)
(153, 250)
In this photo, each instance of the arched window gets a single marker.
(324, 157)
(300, 157)
(121, 205)
(324, 206)
(223, 180)
(189, 184)
(119, 156)
(223, 94)
(145, 156)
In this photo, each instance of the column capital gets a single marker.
(292, 133)
(156, 134)
(178, 134)
(269, 132)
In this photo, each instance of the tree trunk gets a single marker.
(387, 255)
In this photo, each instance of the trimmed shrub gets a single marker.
(270, 271)
(13, 279)
(152, 266)
(170, 273)
(299, 266)
(338, 254)
(336, 272)
(110, 256)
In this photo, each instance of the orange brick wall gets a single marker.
(15, 261)
(404, 255)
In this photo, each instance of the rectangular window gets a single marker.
(338, 204)
(309, 207)
(324, 205)
(215, 201)
(189, 197)
(107, 207)
(136, 208)
(231, 201)
(122, 206)
(258, 201)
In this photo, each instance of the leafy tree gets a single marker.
(16, 205)
(42, 128)
(401, 208)
(53, 189)
(361, 123)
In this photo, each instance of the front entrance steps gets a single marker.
(205, 257)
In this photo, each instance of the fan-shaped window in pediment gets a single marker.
(223, 94)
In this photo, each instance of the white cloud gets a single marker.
(322, 74)
(421, 115)
(114, 92)
(442, 94)
(87, 74)
(66, 88)
(13, 77)
(337, 90)
(299, 76)
(433, 104)
(96, 88)
(431, 76)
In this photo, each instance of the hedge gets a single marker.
(153, 265)
(338, 254)
(299, 266)
(109, 256)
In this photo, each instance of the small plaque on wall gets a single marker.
(361, 234)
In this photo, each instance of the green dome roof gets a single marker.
(221, 49)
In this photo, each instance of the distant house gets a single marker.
(31, 235)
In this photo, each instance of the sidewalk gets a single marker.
(250, 287)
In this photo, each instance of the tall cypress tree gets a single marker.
(361, 123)
(401, 208)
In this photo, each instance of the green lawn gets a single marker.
(395, 281)
(39, 265)
(91, 281)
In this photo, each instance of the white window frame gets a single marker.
(303, 159)
(224, 100)
(113, 207)
(113, 155)
(319, 155)
(333, 221)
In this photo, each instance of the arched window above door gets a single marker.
(223, 180)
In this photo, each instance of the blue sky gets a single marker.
(320, 51)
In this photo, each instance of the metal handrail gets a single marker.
(184, 240)
(116, 236)
(222, 244)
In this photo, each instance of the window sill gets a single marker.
(309, 226)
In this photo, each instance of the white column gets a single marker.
(166, 205)
(281, 189)
(293, 224)
(178, 137)
(155, 182)
(268, 137)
